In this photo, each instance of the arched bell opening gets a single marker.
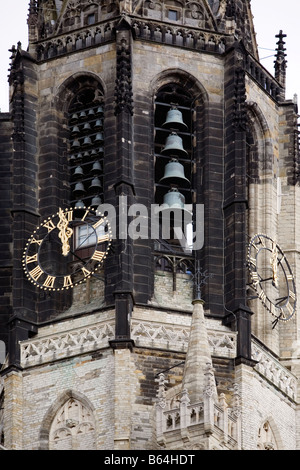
(173, 162)
(86, 148)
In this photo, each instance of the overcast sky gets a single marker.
(269, 18)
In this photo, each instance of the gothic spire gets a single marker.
(198, 356)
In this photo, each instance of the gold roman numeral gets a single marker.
(290, 308)
(67, 281)
(255, 278)
(49, 282)
(292, 295)
(34, 240)
(69, 215)
(98, 255)
(104, 238)
(85, 271)
(98, 223)
(36, 273)
(86, 213)
(262, 296)
(31, 259)
(49, 226)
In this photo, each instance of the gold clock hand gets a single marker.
(65, 232)
(274, 264)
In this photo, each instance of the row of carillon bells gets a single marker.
(87, 141)
(87, 127)
(174, 175)
(87, 131)
(86, 114)
(95, 186)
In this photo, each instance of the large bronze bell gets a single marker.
(174, 174)
(174, 146)
(173, 199)
(174, 213)
(174, 120)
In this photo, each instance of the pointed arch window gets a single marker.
(73, 428)
(266, 438)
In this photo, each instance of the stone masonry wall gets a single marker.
(261, 402)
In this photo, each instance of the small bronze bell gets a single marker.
(98, 124)
(78, 158)
(99, 137)
(76, 144)
(75, 130)
(96, 169)
(78, 173)
(96, 201)
(174, 146)
(87, 141)
(95, 185)
(87, 127)
(74, 118)
(79, 204)
(79, 189)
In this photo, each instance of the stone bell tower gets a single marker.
(159, 116)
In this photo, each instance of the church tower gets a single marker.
(150, 263)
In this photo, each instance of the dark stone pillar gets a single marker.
(124, 184)
(235, 199)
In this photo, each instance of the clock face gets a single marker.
(67, 248)
(272, 277)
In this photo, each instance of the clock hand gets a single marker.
(281, 299)
(274, 264)
(65, 232)
(267, 279)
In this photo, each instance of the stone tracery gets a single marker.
(73, 427)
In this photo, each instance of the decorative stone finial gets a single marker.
(280, 62)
